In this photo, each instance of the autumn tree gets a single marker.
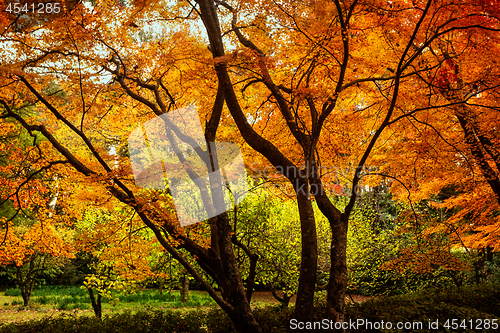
(474, 93)
(34, 232)
(308, 80)
(119, 249)
(452, 141)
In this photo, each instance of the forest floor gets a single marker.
(477, 307)
(17, 313)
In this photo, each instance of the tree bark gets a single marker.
(337, 284)
(96, 303)
(476, 146)
(184, 287)
(338, 221)
(254, 258)
(305, 294)
(231, 282)
(26, 294)
(251, 277)
(304, 305)
(26, 283)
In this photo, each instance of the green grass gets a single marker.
(50, 291)
(73, 297)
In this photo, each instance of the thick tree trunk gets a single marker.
(243, 320)
(304, 305)
(26, 296)
(337, 284)
(229, 279)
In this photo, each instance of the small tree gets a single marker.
(119, 252)
(31, 252)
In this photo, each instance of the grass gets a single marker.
(62, 297)
(50, 300)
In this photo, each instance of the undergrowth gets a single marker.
(476, 302)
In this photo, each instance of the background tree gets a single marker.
(34, 233)
(452, 150)
(120, 251)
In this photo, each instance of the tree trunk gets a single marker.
(96, 303)
(254, 258)
(27, 282)
(338, 221)
(338, 271)
(26, 296)
(304, 305)
(251, 277)
(477, 147)
(184, 287)
(231, 283)
(25, 286)
(489, 254)
(242, 315)
(285, 300)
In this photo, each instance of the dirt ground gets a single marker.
(267, 297)
(356, 298)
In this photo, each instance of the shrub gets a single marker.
(273, 318)
(477, 302)
(12, 292)
(126, 322)
(218, 321)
